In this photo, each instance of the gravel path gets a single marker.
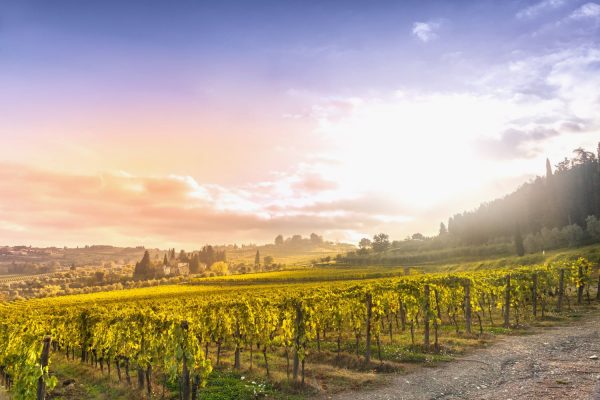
(551, 364)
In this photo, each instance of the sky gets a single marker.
(175, 124)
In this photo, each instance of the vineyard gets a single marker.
(309, 274)
(169, 339)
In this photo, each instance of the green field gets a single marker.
(301, 255)
(455, 265)
(308, 274)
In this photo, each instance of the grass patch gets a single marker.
(229, 385)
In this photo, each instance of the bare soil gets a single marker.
(545, 363)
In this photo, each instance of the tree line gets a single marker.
(197, 262)
(560, 209)
(566, 196)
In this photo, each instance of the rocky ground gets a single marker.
(551, 363)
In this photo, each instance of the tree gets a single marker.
(519, 247)
(583, 156)
(551, 238)
(99, 275)
(183, 256)
(593, 227)
(208, 256)
(279, 240)
(381, 242)
(316, 239)
(195, 264)
(548, 169)
(220, 268)
(563, 166)
(143, 269)
(268, 261)
(417, 236)
(165, 261)
(364, 244)
(295, 240)
(257, 259)
(573, 234)
(443, 229)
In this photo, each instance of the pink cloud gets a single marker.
(314, 183)
(50, 208)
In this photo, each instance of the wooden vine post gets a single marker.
(580, 285)
(561, 290)
(468, 310)
(148, 380)
(426, 318)
(237, 363)
(141, 378)
(598, 292)
(369, 303)
(297, 341)
(185, 378)
(534, 294)
(41, 387)
(507, 303)
(436, 343)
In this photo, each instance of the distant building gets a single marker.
(166, 270)
(183, 269)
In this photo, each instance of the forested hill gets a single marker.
(561, 209)
(568, 194)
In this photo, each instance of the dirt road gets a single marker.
(553, 363)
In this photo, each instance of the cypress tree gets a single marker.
(443, 229)
(257, 259)
(183, 256)
(143, 269)
(210, 255)
(519, 242)
(195, 264)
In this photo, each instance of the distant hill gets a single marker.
(293, 254)
(558, 210)
(293, 251)
(566, 196)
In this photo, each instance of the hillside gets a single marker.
(557, 211)
(29, 260)
(301, 254)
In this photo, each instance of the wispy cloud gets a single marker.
(588, 10)
(558, 92)
(426, 31)
(540, 8)
(512, 143)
